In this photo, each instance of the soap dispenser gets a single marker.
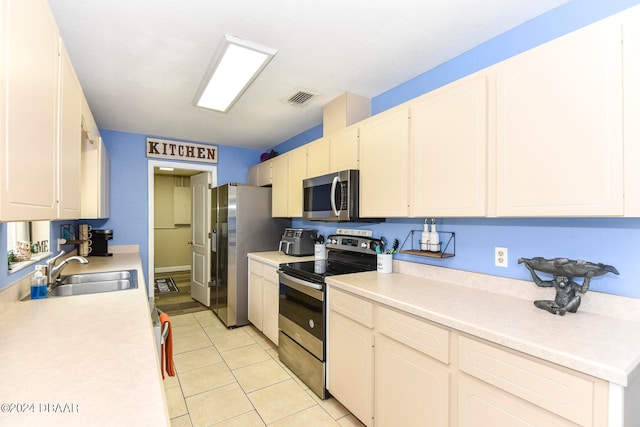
(39, 283)
(424, 239)
(434, 238)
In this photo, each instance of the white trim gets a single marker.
(151, 165)
(172, 268)
(616, 405)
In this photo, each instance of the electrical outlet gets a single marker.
(502, 257)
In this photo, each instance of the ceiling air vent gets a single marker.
(301, 98)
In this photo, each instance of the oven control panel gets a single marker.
(361, 244)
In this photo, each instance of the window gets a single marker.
(27, 243)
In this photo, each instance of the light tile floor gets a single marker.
(233, 377)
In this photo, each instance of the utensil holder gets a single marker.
(385, 263)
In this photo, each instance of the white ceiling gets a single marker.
(141, 61)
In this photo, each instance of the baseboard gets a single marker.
(172, 269)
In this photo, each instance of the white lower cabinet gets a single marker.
(264, 298)
(411, 388)
(575, 397)
(412, 376)
(479, 404)
(255, 293)
(391, 368)
(270, 301)
(350, 353)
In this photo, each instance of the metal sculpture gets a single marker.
(568, 292)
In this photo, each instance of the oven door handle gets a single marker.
(299, 284)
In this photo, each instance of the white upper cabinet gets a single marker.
(631, 59)
(384, 159)
(448, 150)
(318, 158)
(95, 180)
(297, 172)
(344, 149)
(280, 186)
(69, 139)
(95, 171)
(29, 58)
(559, 127)
(260, 174)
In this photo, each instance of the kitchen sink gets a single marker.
(91, 283)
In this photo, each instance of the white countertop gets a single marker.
(598, 345)
(275, 258)
(92, 355)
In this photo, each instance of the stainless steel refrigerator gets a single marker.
(240, 223)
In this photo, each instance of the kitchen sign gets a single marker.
(181, 150)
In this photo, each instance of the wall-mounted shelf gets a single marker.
(449, 245)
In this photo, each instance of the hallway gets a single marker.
(175, 303)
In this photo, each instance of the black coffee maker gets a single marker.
(99, 245)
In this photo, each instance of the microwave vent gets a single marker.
(301, 98)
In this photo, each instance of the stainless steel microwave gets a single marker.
(332, 197)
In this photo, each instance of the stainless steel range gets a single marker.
(302, 313)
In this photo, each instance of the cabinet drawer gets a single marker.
(255, 267)
(355, 308)
(270, 273)
(567, 394)
(421, 335)
(482, 404)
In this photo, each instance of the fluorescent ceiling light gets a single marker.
(164, 168)
(233, 68)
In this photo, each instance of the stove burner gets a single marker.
(346, 254)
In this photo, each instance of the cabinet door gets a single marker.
(479, 404)
(569, 394)
(95, 179)
(280, 186)
(631, 54)
(297, 172)
(255, 294)
(411, 388)
(449, 150)
(260, 174)
(69, 139)
(318, 158)
(350, 365)
(252, 175)
(29, 44)
(105, 182)
(559, 127)
(384, 158)
(344, 149)
(271, 301)
(89, 126)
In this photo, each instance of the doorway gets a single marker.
(174, 179)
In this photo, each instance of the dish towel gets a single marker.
(166, 352)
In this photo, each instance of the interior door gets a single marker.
(200, 254)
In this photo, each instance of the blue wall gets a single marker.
(610, 241)
(129, 186)
(607, 240)
(129, 194)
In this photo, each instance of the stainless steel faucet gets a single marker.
(53, 270)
